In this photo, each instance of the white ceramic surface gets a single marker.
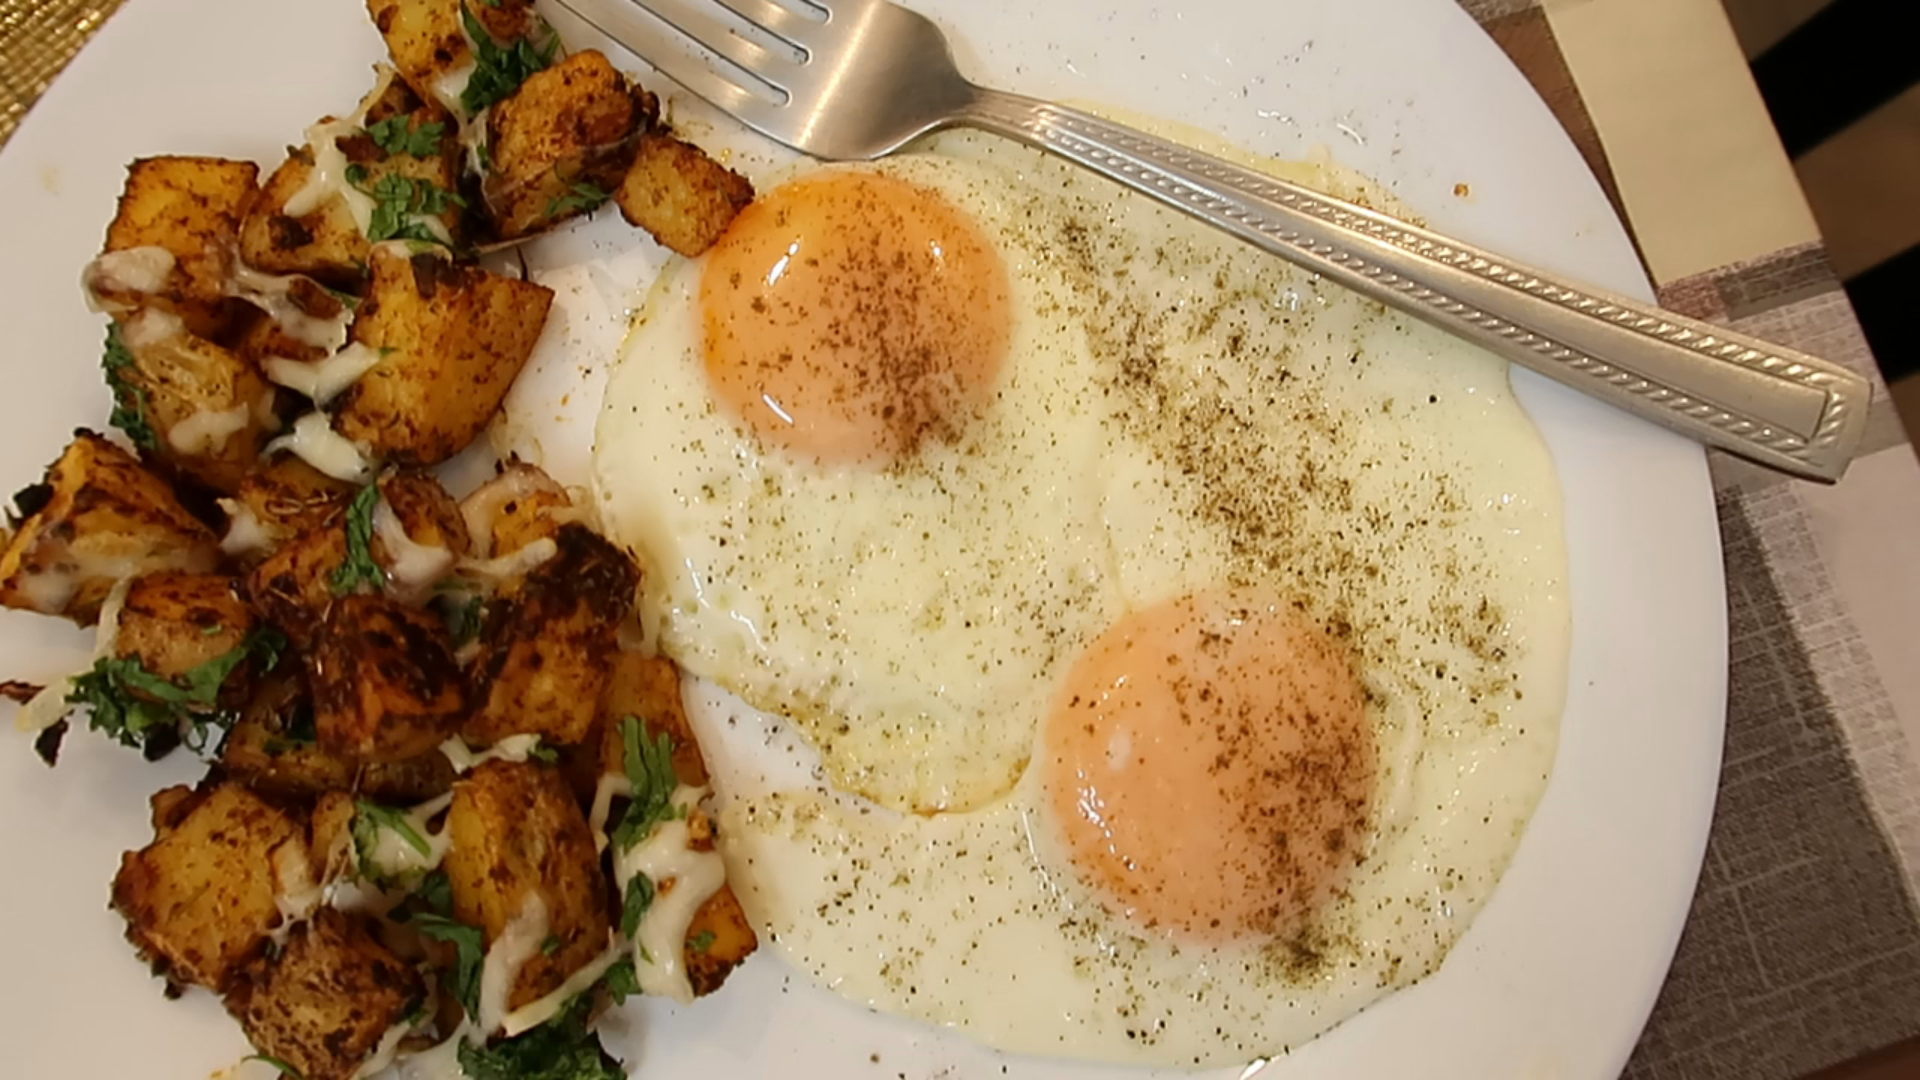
(1557, 975)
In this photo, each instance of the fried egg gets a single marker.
(1113, 643)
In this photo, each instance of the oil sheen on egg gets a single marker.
(1175, 679)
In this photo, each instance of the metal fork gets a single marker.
(858, 79)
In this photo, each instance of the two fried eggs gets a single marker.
(1160, 651)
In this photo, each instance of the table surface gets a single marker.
(1803, 949)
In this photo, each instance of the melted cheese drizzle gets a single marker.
(271, 293)
(141, 270)
(245, 533)
(207, 430)
(519, 942)
(515, 748)
(483, 506)
(314, 441)
(149, 327)
(512, 565)
(394, 857)
(383, 1053)
(296, 893)
(534, 1013)
(49, 706)
(323, 380)
(414, 567)
(694, 876)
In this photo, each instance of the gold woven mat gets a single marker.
(37, 38)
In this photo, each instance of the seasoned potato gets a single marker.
(684, 198)
(436, 534)
(520, 505)
(293, 587)
(385, 685)
(199, 900)
(278, 501)
(516, 832)
(718, 939)
(260, 337)
(546, 646)
(174, 621)
(458, 336)
(426, 41)
(561, 144)
(101, 515)
(210, 410)
(191, 207)
(273, 747)
(324, 1003)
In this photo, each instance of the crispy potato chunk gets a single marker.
(293, 587)
(199, 900)
(520, 505)
(174, 621)
(458, 336)
(273, 747)
(718, 939)
(436, 533)
(684, 198)
(516, 832)
(561, 144)
(325, 1002)
(385, 685)
(277, 502)
(546, 646)
(101, 515)
(426, 42)
(210, 409)
(191, 207)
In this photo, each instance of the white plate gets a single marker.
(1555, 978)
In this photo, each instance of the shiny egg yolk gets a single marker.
(1211, 764)
(851, 316)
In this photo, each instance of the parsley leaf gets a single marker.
(129, 397)
(701, 941)
(397, 134)
(499, 70)
(371, 817)
(360, 569)
(285, 1069)
(622, 980)
(634, 907)
(584, 196)
(560, 1049)
(399, 202)
(470, 954)
(143, 710)
(649, 764)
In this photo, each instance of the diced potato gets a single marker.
(293, 587)
(429, 515)
(199, 900)
(683, 197)
(259, 337)
(457, 337)
(327, 1000)
(520, 505)
(104, 516)
(210, 409)
(280, 500)
(273, 747)
(718, 939)
(561, 144)
(427, 44)
(385, 685)
(516, 832)
(173, 622)
(546, 646)
(191, 207)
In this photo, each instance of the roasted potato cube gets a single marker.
(517, 833)
(431, 536)
(273, 747)
(457, 337)
(304, 309)
(278, 501)
(173, 622)
(293, 586)
(199, 900)
(385, 685)
(210, 410)
(101, 515)
(561, 144)
(426, 42)
(648, 687)
(190, 207)
(718, 939)
(520, 505)
(327, 1000)
(546, 646)
(324, 242)
(684, 198)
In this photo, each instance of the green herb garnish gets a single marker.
(634, 907)
(542, 752)
(464, 620)
(360, 569)
(398, 135)
(398, 202)
(143, 710)
(701, 942)
(129, 397)
(470, 949)
(649, 765)
(369, 819)
(622, 980)
(560, 1049)
(499, 70)
(584, 196)
(551, 945)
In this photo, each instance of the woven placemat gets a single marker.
(37, 38)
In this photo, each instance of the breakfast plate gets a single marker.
(1558, 972)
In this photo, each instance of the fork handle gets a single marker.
(1780, 408)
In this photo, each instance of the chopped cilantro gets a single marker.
(129, 397)
(499, 70)
(584, 196)
(470, 953)
(622, 980)
(371, 817)
(542, 752)
(285, 1069)
(360, 569)
(434, 895)
(563, 1048)
(634, 907)
(398, 202)
(399, 135)
(649, 764)
(551, 945)
(465, 619)
(143, 710)
(701, 941)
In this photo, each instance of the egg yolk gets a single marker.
(1211, 764)
(851, 316)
